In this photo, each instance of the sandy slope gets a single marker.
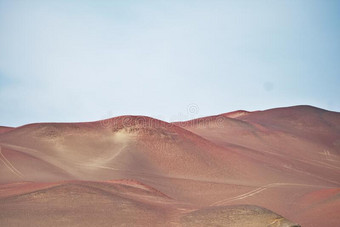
(5, 129)
(303, 140)
(115, 203)
(182, 174)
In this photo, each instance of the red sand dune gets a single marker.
(195, 173)
(5, 129)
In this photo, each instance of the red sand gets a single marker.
(182, 174)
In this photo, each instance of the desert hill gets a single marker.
(237, 169)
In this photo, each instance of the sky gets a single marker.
(73, 61)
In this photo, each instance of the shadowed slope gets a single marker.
(325, 202)
(300, 139)
(5, 129)
(18, 166)
(308, 122)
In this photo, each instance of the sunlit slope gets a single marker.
(121, 147)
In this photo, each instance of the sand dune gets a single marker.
(5, 129)
(136, 170)
(79, 203)
(285, 137)
(125, 146)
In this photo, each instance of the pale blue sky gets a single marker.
(88, 60)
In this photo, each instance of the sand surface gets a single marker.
(279, 167)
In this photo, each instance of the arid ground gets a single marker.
(279, 167)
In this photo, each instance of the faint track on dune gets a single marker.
(9, 165)
(258, 190)
(18, 148)
(100, 167)
(276, 221)
(327, 154)
(117, 153)
(329, 157)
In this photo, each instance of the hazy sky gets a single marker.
(89, 60)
